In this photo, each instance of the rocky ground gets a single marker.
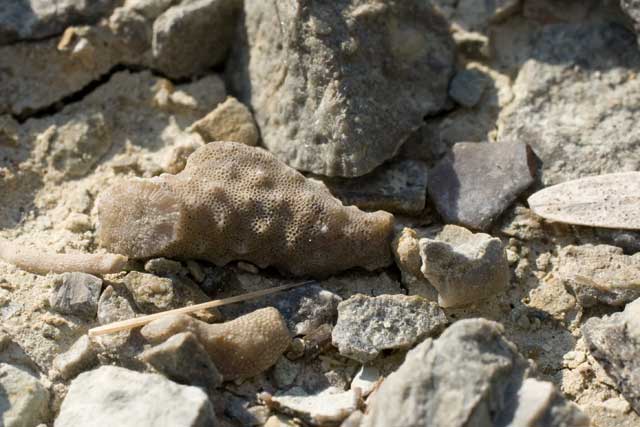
(461, 309)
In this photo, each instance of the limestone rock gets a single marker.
(584, 94)
(183, 359)
(325, 408)
(77, 294)
(476, 182)
(615, 343)
(398, 187)
(368, 325)
(600, 274)
(117, 396)
(24, 401)
(340, 86)
(406, 250)
(230, 121)
(234, 202)
(80, 357)
(464, 267)
(471, 375)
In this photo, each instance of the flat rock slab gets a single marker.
(600, 274)
(112, 396)
(576, 101)
(615, 343)
(476, 182)
(398, 187)
(608, 201)
(368, 325)
(340, 85)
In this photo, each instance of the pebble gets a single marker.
(150, 293)
(368, 325)
(77, 294)
(464, 267)
(229, 121)
(24, 401)
(467, 86)
(182, 358)
(476, 182)
(163, 267)
(111, 396)
(78, 358)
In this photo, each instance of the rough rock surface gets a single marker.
(471, 375)
(398, 187)
(368, 325)
(340, 86)
(80, 357)
(150, 293)
(464, 267)
(325, 408)
(118, 396)
(24, 401)
(183, 359)
(230, 121)
(584, 94)
(476, 182)
(234, 202)
(614, 341)
(240, 348)
(632, 8)
(600, 274)
(77, 294)
(406, 250)
(467, 86)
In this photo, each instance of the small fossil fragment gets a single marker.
(240, 348)
(234, 202)
(609, 201)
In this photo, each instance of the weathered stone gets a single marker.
(163, 267)
(183, 359)
(368, 325)
(114, 306)
(600, 274)
(615, 343)
(476, 15)
(342, 84)
(464, 267)
(80, 357)
(328, 407)
(230, 121)
(632, 9)
(476, 182)
(471, 375)
(38, 19)
(467, 86)
(304, 308)
(24, 401)
(121, 397)
(406, 251)
(366, 379)
(77, 294)
(584, 95)
(150, 293)
(398, 187)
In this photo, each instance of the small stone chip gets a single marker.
(77, 294)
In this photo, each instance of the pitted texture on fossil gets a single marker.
(337, 86)
(240, 348)
(233, 202)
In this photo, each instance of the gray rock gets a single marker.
(467, 86)
(368, 325)
(304, 309)
(77, 294)
(114, 306)
(118, 396)
(183, 359)
(476, 15)
(340, 86)
(599, 274)
(470, 376)
(230, 121)
(476, 182)
(614, 341)
(632, 9)
(464, 267)
(150, 293)
(192, 36)
(37, 19)
(80, 357)
(328, 407)
(398, 187)
(24, 401)
(575, 101)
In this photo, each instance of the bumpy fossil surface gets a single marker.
(240, 348)
(233, 202)
(338, 86)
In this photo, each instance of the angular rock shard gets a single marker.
(338, 86)
(476, 182)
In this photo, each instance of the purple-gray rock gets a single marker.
(77, 294)
(476, 182)
(614, 341)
